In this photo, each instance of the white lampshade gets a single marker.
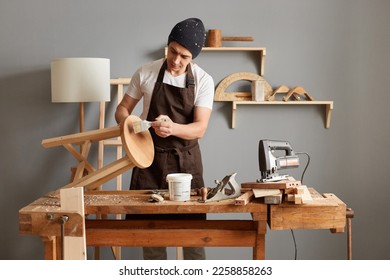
(80, 79)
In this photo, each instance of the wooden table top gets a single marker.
(136, 202)
(326, 211)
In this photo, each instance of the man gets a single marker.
(178, 89)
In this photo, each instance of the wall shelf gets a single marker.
(328, 107)
(262, 52)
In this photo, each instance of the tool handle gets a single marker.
(237, 39)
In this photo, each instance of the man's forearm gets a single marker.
(121, 113)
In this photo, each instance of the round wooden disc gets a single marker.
(139, 147)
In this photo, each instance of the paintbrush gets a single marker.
(139, 126)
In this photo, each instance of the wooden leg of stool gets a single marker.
(350, 215)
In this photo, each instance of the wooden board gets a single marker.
(266, 192)
(271, 185)
(74, 247)
(171, 233)
(325, 211)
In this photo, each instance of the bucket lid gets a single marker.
(179, 176)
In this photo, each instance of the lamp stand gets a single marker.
(81, 116)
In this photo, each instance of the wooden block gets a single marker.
(300, 190)
(273, 199)
(306, 196)
(257, 88)
(290, 197)
(244, 199)
(271, 196)
(290, 191)
(298, 199)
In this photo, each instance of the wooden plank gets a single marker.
(171, 232)
(271, 185)
(266, 192)
(171, 224)
(171, 238)
(74, 248)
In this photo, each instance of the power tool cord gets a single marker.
(303, 174)
(295, 245)
(307, 163)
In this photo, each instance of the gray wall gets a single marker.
(337, 50)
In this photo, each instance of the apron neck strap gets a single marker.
(190, 81)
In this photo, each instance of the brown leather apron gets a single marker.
(172, 154)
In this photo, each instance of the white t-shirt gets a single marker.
(143, 81)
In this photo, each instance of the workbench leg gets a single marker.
(259, 250)
(50, 247)
(261, 229)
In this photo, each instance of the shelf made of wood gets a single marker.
(262, 52)
(328, 107)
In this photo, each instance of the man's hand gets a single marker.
(163, 126)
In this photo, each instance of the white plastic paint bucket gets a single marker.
(179, 185)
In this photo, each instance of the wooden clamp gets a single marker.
(45, 223)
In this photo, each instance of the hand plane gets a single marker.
(270, 163)
(225, 189)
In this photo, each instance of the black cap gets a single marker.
(189, 33)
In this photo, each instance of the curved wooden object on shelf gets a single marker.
(221, 95)
(281, 89)
(296, 94)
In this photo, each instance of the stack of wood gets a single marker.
(288, 190)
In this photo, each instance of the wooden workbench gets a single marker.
(41, 218)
